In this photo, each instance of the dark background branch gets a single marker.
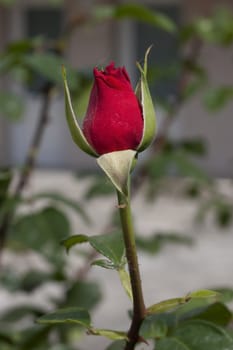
(28, 166)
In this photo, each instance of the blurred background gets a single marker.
(93, 33)
(182, 188)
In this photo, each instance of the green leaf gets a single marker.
(148, 111)
(125, 281)
(60, 198)
(49, 65)
(116, 345)
(106, 264)
(67, 315)
(75, 130)
(41, 230)
(196, 335)
(11, 105)
(165, 305)
(15, 314)
(136, 12)
(83, 294)
(117, 166)
(73, 240)
(171, 344)
(151, 329)
(203, 293)
(110, 245)
(31, 338)
(204, 296)
(226, 294)
(193, 307)
(108, 333)
(216, 313)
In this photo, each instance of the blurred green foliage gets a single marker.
(216, 29)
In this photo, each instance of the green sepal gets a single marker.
(117, 166)
(148, 111)
(75, 130)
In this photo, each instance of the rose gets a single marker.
(117, 119)
(114, 120)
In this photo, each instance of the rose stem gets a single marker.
(139, 310)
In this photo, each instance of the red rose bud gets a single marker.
(114, 120)
(117, 119)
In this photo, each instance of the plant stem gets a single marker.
(139, 310)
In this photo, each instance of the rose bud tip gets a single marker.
(114, 120)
